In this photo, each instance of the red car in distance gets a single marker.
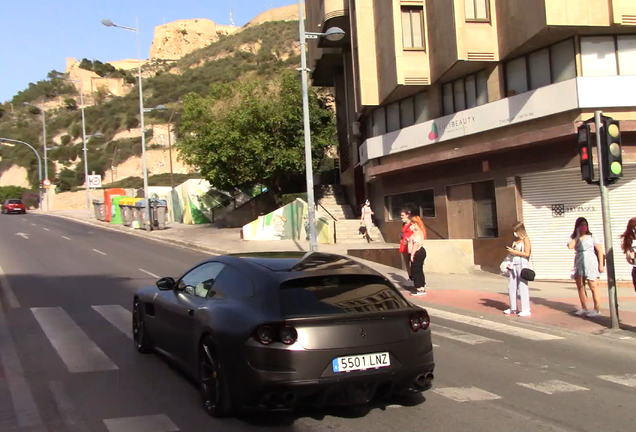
(13, 206)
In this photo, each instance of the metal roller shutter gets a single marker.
(553, 200)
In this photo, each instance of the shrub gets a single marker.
(65, 139)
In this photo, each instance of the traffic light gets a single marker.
(585, 153)
(613, 151)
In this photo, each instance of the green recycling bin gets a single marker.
(116, 216)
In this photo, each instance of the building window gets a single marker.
(608, 55)
(413, 27)
(379, 122)
(421, 203)
(538, 69)
(393, 117)
(463, 93)
(421, 108)
(398, 115)
(485, 210)
(477, 10)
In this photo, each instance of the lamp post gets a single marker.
(333, 34)
(46, 163)
(161, 108)
(10, 143)
(109, 23)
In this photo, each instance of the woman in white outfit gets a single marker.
(366, 219)
(520, 252)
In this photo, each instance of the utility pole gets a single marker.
(607, 226)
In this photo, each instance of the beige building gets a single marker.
(467, 111)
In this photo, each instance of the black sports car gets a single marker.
(273, 331)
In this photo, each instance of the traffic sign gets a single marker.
(46, 183)
(95, 181)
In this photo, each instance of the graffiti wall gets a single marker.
(189, 203)
(288, 223)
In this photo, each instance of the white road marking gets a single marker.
(492, 325)
(99, 252)
(75, 348)
(5, 287)
(118, 316)
(553, 386)
(23, 218)
(64, 237)
(23, 235)
(33, 224)
(46, 229)
(148, 273)
(628, 380)
(154, 423)
(70, 415)
(26, 410)
(466, 394)
(435, 346)
(460, 336)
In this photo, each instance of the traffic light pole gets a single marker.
(607, 226)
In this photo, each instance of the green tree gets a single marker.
(65, 139)
(2, 110)
(71, 104)
(248, 133)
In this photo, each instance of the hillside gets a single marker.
(257, 51)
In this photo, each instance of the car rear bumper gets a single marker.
(306, 382)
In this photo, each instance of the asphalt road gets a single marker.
(67, 362)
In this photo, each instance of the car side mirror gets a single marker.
(166, 284)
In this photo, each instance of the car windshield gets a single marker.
(15, 201)
(342, 294)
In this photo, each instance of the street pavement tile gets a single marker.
(153, 423)
(466, 394)
(553, 386)
(628, 380)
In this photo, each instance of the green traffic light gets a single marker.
(616, 168)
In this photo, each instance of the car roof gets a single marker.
(287, 265)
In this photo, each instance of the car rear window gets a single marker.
(343, 294)
(15, 201)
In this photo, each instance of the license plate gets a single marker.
(361, 362)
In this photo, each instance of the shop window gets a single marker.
(413, 27)
(563, 61)
(485, 210)
(477, 10)
(463, 93)
(421, 203)
(421, 108)
(598, 56)
(626, 46)
(407, 112)
(538, 69)
(393, 117)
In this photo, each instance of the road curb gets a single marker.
(173, 242)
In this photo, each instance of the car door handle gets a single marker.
(190, 312)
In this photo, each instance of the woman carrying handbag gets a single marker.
(519, 271)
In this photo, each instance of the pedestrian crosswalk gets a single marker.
(81, 354)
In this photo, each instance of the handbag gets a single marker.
(528, 274)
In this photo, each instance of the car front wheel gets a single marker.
(214, 389)
(140, 335)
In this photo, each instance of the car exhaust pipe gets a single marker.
(290, 398)
(429, 378)
(271, 399)
(424, 381)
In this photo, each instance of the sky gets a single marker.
(38, 35)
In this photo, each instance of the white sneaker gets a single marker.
(508, 311)
(593, 313)
(524, 314)
(581, 312)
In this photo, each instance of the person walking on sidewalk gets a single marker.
(628, 244)
(418, 254)
(366, 220)
(589, 263)
(520, 253)
(407, 232)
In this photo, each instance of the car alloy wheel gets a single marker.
(213, 385)
(140, 336)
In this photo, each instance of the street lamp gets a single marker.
(10, 143)
(109, 23)
(333, 34)
(46, 163)
(161, 108)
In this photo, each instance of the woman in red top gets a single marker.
(407, 232)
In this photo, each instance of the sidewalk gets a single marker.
(552, 303)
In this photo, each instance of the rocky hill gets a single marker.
(256, 50)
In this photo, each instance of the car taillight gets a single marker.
(419, 321)
(269, 333)
(288, 335)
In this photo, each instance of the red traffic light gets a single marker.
(584, 155)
